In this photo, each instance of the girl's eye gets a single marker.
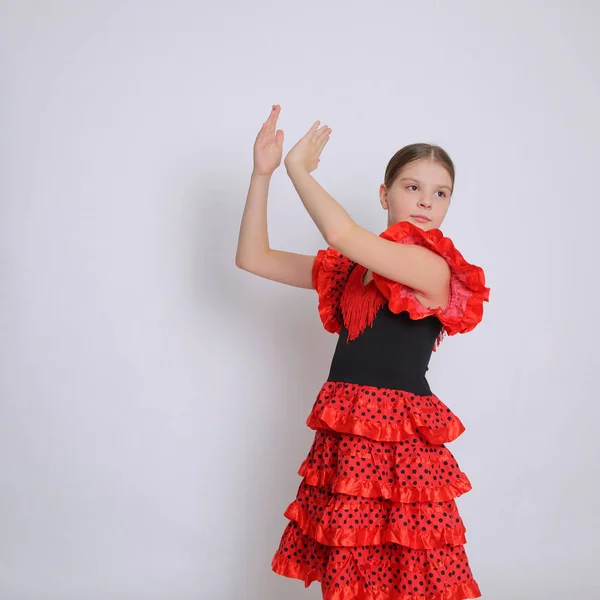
(439, 192)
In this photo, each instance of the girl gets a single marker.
(375, 516)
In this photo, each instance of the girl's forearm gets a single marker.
(253, 240)
(328, 215)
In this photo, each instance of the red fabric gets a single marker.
(375, 516)
(359, 303)
(382, 572)
(342, 520)
(468, 291)
(329, 275)
(413, 470)
(344, 299)
(382, 414)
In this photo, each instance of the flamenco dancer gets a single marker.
(374, 516)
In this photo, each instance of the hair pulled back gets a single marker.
(412, 153)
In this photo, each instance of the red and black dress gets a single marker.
(375, 516)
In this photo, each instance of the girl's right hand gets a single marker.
(268, 147)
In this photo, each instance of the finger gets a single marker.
(324, 131)
(313, 128)
(322, 143)
(274, 112)
(319, 131)
(272, 120)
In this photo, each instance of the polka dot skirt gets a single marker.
(375, 516)
(383, 414)
(412, 470)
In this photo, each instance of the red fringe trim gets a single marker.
(359, 303)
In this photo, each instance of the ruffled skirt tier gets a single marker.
(375, 516)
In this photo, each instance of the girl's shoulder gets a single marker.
(468, 291)
(330, 274)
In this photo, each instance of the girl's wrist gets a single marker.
(295, 169)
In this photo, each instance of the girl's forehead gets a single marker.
(426, 170)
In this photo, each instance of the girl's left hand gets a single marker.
(305, 154)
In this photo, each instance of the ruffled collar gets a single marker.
(343, 298)
(403, 229)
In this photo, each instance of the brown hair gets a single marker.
(412, 153)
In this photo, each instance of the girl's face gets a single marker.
(421, 189)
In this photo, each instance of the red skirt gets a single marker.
(375, 516)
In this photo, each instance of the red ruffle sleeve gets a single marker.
(468, 291)
(329, 275)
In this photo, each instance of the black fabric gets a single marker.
(393, 353)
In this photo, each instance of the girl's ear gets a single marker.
(383, 196)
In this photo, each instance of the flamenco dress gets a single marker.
(374, 516)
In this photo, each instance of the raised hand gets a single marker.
(305, 154)
(268, 147)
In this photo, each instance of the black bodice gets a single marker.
(393, 353)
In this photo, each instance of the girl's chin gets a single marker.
(425, 225)
(420, 223)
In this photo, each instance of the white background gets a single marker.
(153, 397)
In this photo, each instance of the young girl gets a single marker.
(375, 516)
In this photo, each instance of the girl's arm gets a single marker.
(415, 266)
(253, 251)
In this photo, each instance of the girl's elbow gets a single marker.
(251, 264)
(337, 238)
(240, 263)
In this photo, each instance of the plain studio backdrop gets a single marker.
(153, 396)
